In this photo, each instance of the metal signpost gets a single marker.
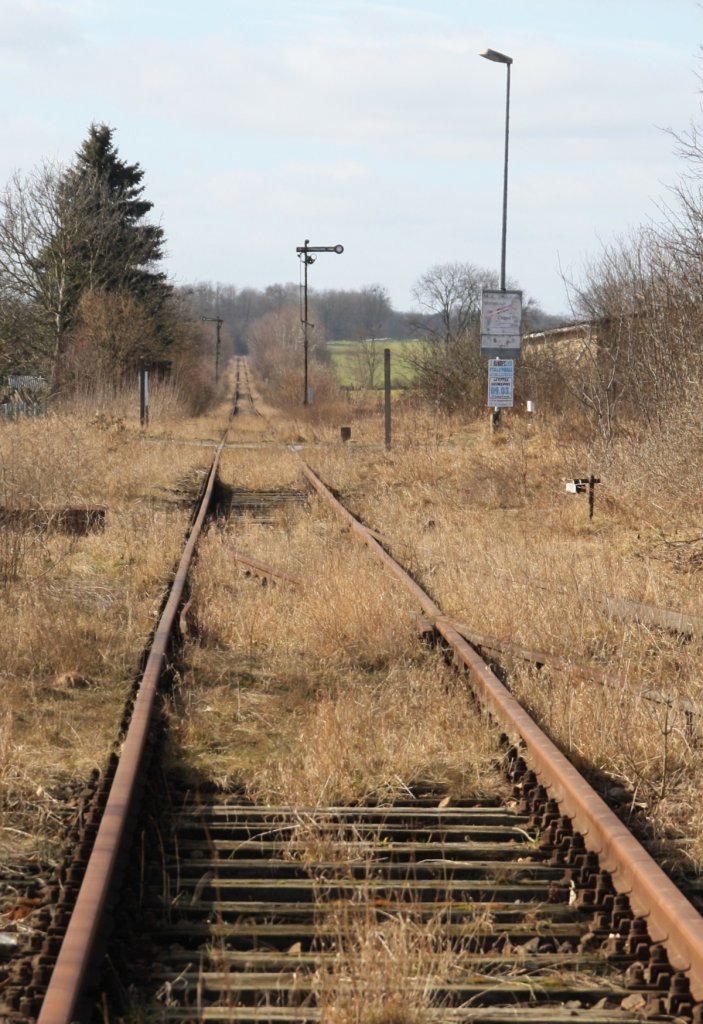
(501, 311)
(387, 395)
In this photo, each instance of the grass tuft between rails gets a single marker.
(373, 739)
(386, 969)
(320, 692)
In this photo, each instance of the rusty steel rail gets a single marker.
(75, 958)
(671, 919)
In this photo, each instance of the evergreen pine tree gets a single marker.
(121, 251)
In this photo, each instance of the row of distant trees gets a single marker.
(335, 313)
(85, 301)
(268, 325)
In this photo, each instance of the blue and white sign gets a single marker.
(501, 377)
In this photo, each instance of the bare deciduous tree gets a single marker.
(449, 298)
(367, 358)
(643, 354)
(112, 333)
(275, 341)
(374, 308)
(448, 369)
(42, 225)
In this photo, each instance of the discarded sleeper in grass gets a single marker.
(79, 521)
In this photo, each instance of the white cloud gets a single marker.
(263, 122)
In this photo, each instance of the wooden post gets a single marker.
(387, 394)
(143, 396)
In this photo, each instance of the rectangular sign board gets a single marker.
(501, 377)
(501, 324)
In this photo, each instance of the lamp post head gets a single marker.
(500, 58)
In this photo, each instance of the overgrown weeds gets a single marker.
(319, 692)
(76, 609)
(374, 739)
(490, 530)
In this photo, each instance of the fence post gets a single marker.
(143, 396)
(387, 394)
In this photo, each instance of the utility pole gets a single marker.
(304, 254)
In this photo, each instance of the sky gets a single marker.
(375, 125)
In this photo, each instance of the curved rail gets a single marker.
(75, 958)
(671, 919)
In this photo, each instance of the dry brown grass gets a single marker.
(319, 692)
(77, 610)
(386, 969)
(649, 754)
(373, 739)
(300, 682)
(485, 524)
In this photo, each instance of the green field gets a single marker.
(351, 365)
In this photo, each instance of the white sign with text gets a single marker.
(501, 324)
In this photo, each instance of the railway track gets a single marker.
(245, 394)
(541, 908)
(256, 934)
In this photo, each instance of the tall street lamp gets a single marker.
(304, 254)
(502, 58)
